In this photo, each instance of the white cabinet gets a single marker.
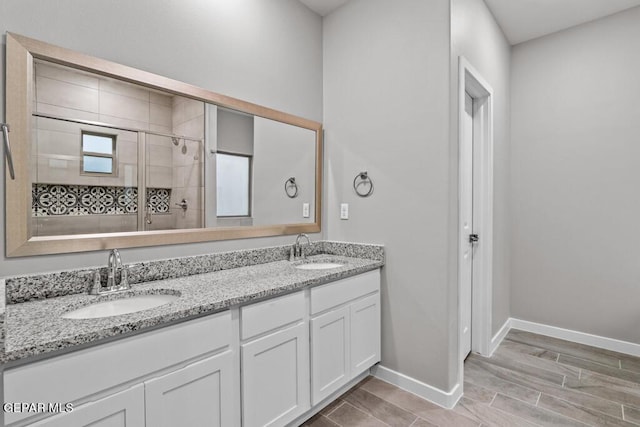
(197, 395)
(330, 352)
(275, 367)
(365, 333)
(124, 409)
(345, 332)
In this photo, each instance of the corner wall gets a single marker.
(476, 36)
(386, 106)
(266, 52)
(575, 175)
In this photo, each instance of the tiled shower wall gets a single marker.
(56, 151)
(188, 168)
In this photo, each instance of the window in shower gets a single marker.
(98, 154)
(233, 178)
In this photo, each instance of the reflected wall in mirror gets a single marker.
(117, 157)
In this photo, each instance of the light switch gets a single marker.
(344, 211)
(305, 210)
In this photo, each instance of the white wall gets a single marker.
(575, 175)
(266, 52)
(476, 36)
(386, 105)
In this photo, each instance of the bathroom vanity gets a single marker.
(263, 344)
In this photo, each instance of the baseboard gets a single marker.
(578, 337)
(446, 399)
(499, 336)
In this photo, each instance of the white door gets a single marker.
(466, 226)
(200, 394)
(275, 377)
(123, 409)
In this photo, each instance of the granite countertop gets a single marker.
(36, 327)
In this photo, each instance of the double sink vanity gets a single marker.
(246, 338)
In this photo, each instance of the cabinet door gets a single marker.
(200, 394)
(329, 352)
(365, 333)
(275, 377)
(124, 409)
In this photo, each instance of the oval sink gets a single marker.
(318, 266)
(116, 307)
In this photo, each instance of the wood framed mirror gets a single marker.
(108, 156)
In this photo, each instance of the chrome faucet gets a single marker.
(114, 265)
(297, 250)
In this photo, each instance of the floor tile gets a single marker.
(528, 350)
(531, 383)
(632, 415)
(519, 366)
(422, 423)
(531, 413)
(513, 351)
(487, 415)
(581, 413)
(349, 416)
(331, 406)
(569, 348)
(630, 363)
(608, 388)
(320, 420)
(416, 405)
(478, 393)
(500, 380)
(380, 408)
(597, 367)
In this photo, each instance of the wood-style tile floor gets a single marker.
(531, 380)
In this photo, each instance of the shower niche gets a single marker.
(117, 157)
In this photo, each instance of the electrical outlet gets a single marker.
(344, 211)
(305, 210)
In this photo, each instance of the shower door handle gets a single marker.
(7, 150)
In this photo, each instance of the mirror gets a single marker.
(117, 157)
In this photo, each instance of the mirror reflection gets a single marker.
(109, 156)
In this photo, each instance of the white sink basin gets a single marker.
(120, 306)
(318, 266)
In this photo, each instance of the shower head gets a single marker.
(175, 141)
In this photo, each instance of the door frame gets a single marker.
(472, 82)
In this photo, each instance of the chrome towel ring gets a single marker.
(363, 179)
(291, 188)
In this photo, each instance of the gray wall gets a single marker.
(476, 36)
(386, 105)
(575, 176)
(266, 52)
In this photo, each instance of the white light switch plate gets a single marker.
(305, 210)
(344, 211)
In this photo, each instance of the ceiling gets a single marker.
(523, 20)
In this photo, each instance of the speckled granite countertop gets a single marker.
(36, 327)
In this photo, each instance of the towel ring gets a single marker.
(364, 180)
(290, 184)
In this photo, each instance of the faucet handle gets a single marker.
(124, 278)
(96, 286)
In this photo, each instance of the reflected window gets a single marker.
(233, 177)
(98, 154)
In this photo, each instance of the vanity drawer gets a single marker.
(271, 314)
(72, 377)
(333, 294)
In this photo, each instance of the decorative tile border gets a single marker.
(67, 200)
(48, 285)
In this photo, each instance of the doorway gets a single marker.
(475, 216)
